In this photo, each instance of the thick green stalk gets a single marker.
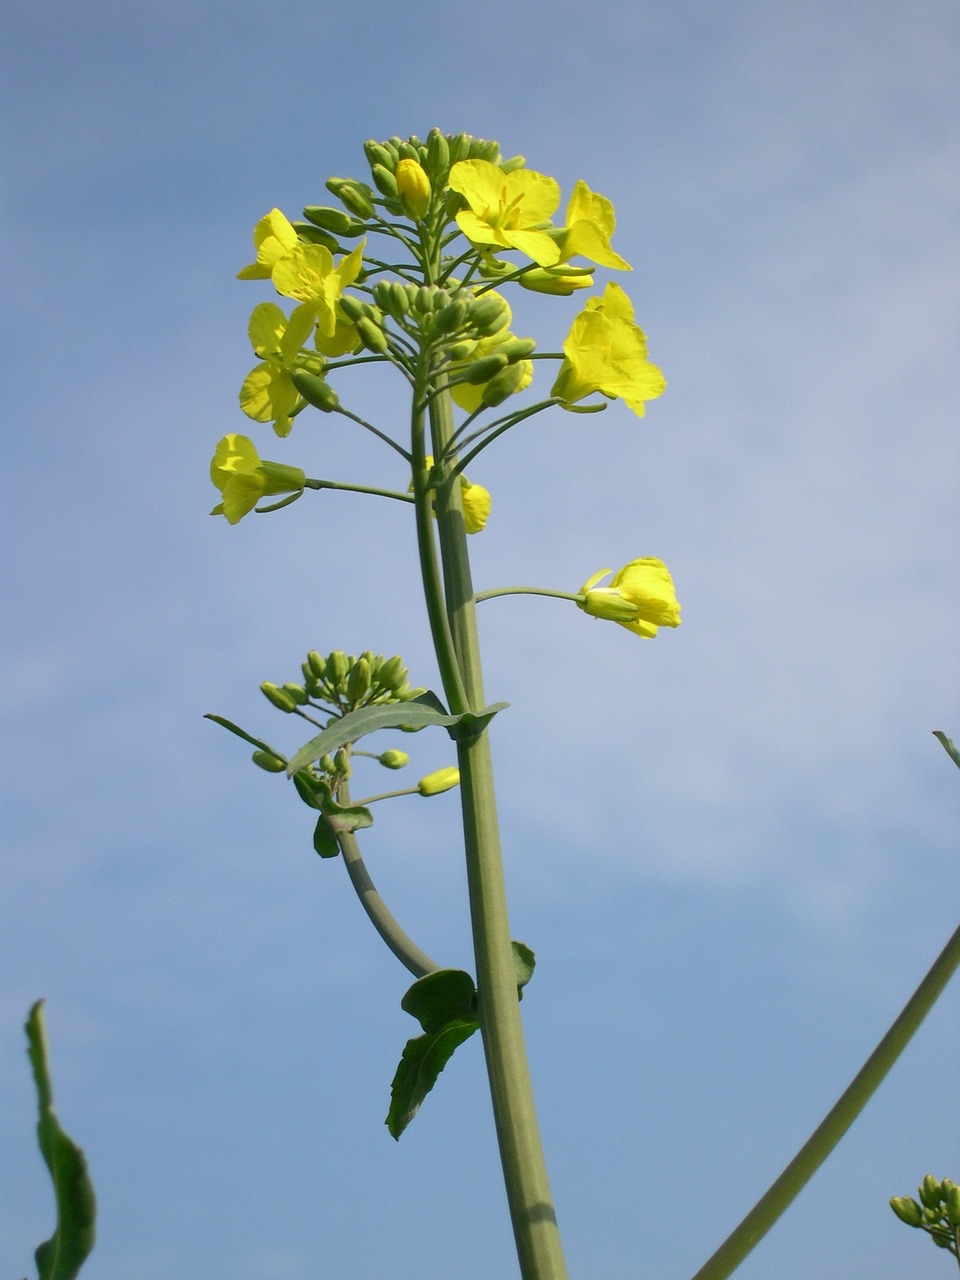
(521, 1152)
(836, 1123)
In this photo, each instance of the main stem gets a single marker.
(521, 1151)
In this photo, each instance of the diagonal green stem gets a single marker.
(528, 1190)
(836, 1123)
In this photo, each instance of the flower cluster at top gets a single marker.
(466, 222)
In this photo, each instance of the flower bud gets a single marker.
(315, 390)
(438, 155)
(384, 181)
(327, 764)
(440, 780)
(316, 235)
(514, 162)
(335, 220)
(297, 692)
(277, 696)
(342, 762)
(392, 673)
(485, 149)
(355, 196)
(378, 153)
(555, 280)
(930, 1192)
(394, 759)
(504, 384)
(358, 681)
(458, 146)
(952, 1198)
(489, 314)
(338, 664)
(413, 186)
(485, 368)
(517, 349)
(450, 317)
(409, 149)
(907, 1210)
(371, 335)
(268, 761)
(316, 664)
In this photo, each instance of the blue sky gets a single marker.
(734, 850)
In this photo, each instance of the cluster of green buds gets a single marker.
(340, 683)
(937, 1212)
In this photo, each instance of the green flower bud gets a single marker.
(315, 390)
(932, 1215)
(358, 681)
(930, 1193)
(338, 664)
(316, 664)
(335, 220)
(489, 314)
(268, 761)
(371, 335)
(384, 181)
(460, 350)
(515, 162)
(438, 156)
(392, 673)
(485, 368)
(327, 764)
(316, 235)
(277, 696)
(907, 1210)
(450, 317)
(942, 1238)
(517, 349)
(297, 692)
(438, 781)
(394, 759)
(499, 388)
(377, 153)
(458, 145)
(355, 196)
(952, 1198)
(482, 149)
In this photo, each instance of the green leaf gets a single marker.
(325, 838)
(418, 713)
(525, 962)
(241, 733)
(448, 995)
(423, 1059)
(948, 747)
(62, 1256)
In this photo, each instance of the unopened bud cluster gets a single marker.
(343, 682)
(937, 1212)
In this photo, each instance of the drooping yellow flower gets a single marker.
(273, 236)
(590, 224)
(308, 274)
(475, 498)
(607, 352)
(640, 597)
(268, 393)
(241, 477)
(507, 209)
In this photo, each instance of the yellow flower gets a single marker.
(640, 597)
(273, 236)
(475, 498)
(243, 479)
(307, 273)
(507, 209)
(268, 393)
(605, 351)
(590, 224)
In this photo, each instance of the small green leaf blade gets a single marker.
(418, 713)
(525, 962)
(241, 733)
(948, 746)
(62, 1256)
(448, 995)
(423, 1059)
